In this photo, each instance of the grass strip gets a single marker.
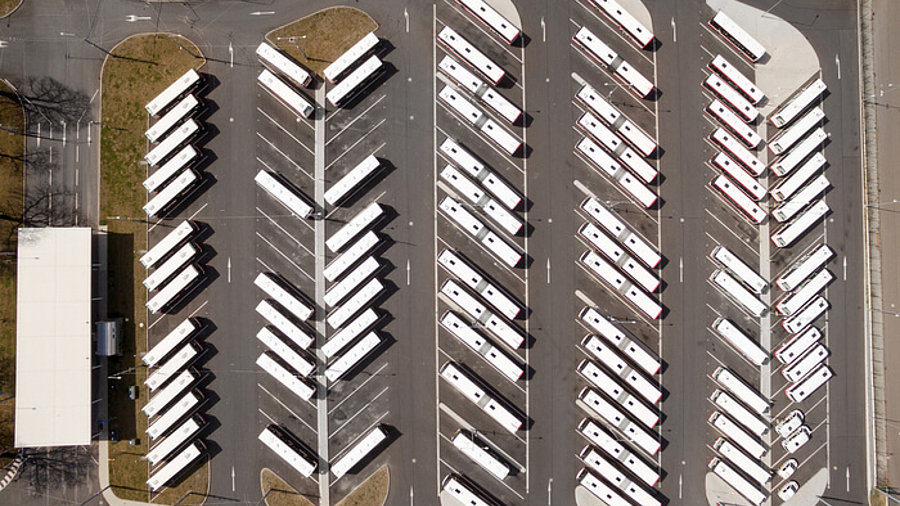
(278, 493)
(372, 492)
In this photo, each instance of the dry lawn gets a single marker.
(328, 34)
(146, 65)
(281, 493)
(373, 491)
(7, 6)
(12, 150)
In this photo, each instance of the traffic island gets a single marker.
(277, 492)
(372, 492)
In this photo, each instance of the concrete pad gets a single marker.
(717, 491)
(508, 10)
(809, 492)
(636, 8)
(584, 497)
(790, 59)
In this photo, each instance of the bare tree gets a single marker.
(53, 468)
(47, 99)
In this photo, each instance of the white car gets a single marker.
(790, 423)
(788, 490)
(798, 439)
(787, 469)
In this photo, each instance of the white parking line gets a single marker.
(263, 413)
(741, 58)
(283, 230)
(616, 185)
(354, 120)
(712, 215)
(282, 153)
(611, 76)
(614, 29)
(445, 438)
(277, 124)
(350, 148)
(363, 409)
(289, 410)
(480, 246)
(285, 256)
(360, 386)
(450, 357)
(605, 287)
(478, 134)
(477, 25)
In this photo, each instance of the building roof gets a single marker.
(53, 337)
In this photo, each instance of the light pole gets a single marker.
(293, 41)
(886, 203)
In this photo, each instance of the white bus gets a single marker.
(285, 446)
(507, 221)
(801, 199)
(481, 285)
(803, 267)
(616, 120)
(174, 440)
(732, 97)
(171, 142)
(494, 184)
(607, 58)
(734, 384)
(747, 182)
(168, 269)
(750, 466)
(168, 243)
(607, 355)
(170, 193)
(366, 71)
(352, 179)
(739, 199)
(750, 491)
(477, 451)
(787, 234)
(619, 283)
(648, 280)
(351, 281)
(178, 335)
(734, 432)
(795, 181)
(291, 357)
(637, 83)
(492, 19)
(492, 354)
(798, 392)
(481, 233)
(644, 439)
(618, 229)
(471, 55)
(612, 446)
(744, 132)
(614, 11)
(171, 367)
(607, 495)
(507, 333)
(281, 91)
(349, 333)
(158, 402)
(735, 77)
(731, 406)
(805, 316)
(182, 86)
(471, 389)
(284, 325)
(351, 255)
(749, 47)
(645, 359)
(182, 281)
(283, 64)
(611, 474)
(614, 390)
(361, 221)
(352, 357)
(631, 186)
(641, 168)
(737, 293)
(173, 117)
(271, 287)
(176, 466)
(798, 103)
(724, 257)
(168, 170)
(462, 492)
(797, 131)
(790, 303)
(355, 304)
(491, 97)
(792, 348)
(285, 195)
(171, 416)
(738, 151)
(740, 341)
(505, 140)
(803, 366)
(798, 153)
(337, 68)
(287, 377)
